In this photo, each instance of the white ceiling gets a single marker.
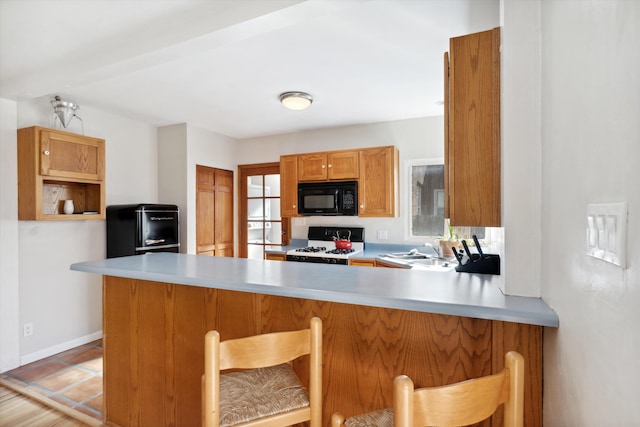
(220, 65)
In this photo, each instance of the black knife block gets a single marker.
(485, 264)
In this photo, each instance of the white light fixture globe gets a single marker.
(296, 100)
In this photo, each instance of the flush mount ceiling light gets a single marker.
(296, 100)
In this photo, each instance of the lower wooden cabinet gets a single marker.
(154, 354)
(371, 263)
(275, 257)
(362, 262)
(387, 265)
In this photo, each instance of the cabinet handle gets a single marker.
(361, 206)
(329, 166)
(323, 166)
(294, 206)
(46, 152)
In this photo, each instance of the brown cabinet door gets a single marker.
(214, 211)
(362, 262)
(224, 214)
(473, 119)
(275, 257)
(343, 165)
(447, 162)
(328, 165)
(289, 186)
(312, 167)
(205, 210)
(377, 187)
(71, 156)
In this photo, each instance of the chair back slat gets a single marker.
(460, 404)
(464, 403)
(264, 350)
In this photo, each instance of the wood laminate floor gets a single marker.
(17, 410)
(67, 385)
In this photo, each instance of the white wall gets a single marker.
(521, 153)
(182, 147)
(415, 138)
(65, 306)
(172, 174)
(590, 154)
(9, 287)
(207, 149)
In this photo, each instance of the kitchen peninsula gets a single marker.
(437, 327)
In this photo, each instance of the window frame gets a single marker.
(408, 169)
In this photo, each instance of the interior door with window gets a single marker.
(261, 225)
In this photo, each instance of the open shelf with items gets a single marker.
(86, 196)
(54, 166)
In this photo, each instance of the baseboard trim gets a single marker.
(59, 348)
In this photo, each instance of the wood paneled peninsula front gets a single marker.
(436, 327)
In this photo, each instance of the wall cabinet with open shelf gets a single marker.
(54, 166)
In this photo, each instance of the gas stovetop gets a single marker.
(321, 247)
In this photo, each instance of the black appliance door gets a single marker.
(317, 201)
(158, 228)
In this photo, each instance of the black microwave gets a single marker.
(328, 198)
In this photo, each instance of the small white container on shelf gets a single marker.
(68, 207)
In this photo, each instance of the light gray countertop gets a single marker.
(458, 294)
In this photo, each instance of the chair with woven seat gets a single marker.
(460, 404)
(262, 389)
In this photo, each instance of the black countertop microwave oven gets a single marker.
(328, 198)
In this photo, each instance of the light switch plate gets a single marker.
(607, 232)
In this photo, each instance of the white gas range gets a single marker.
(321, 246)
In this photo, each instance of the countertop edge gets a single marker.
(527, 310)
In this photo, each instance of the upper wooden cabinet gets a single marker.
(54, 166)
(289, 186)
(378, 183)
(328, 166)
(69, 155)
(472, 130)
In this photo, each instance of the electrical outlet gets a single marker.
(383, 235)
(28, 329)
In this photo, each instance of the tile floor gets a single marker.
(72, 378)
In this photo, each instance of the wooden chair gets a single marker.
(460, 404)
(263, 389)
